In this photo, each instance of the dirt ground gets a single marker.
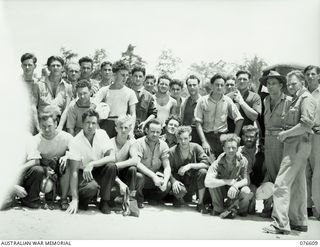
(155, 222)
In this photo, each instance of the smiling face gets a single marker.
(163, 85)
(172, 126)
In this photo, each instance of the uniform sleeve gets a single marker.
(164, 151)
(244, 169)
(233, 111)
(201, 155)
(198, 112)
(308, 111)
(212, 171)
(257, 104)
(132, 97)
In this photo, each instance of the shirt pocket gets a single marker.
(292, 116)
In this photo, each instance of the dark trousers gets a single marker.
(133, 179)
(193, 181)
(214, 142)
(104, 178)
(150, 191)
(31, 181)
(109, 127)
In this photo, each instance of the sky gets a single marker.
(276, 30)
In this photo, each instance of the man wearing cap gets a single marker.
(248, 102)
(312, 76)
(275, 104)
(227, 180)
(211, 116)
(290, 192)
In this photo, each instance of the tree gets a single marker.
(98, 57)
(255, 66)
(168, 63)
(131, 58)
(67, 55)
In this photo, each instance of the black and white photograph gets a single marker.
(159, 120)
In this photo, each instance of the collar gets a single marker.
(223, 98)
(148, 142)
(223, 161)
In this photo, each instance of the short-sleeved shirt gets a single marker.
(123, 153)
(118, 100)
(196, 155)
(49, 149)
(45, 95)
(213, 114)
(145, 106)
(220, 170)
(302, 110)
(274, 120)
(170, 141)
(82, 150)
(151, 158)
(74, 117)
(187, 111)
(316, 96)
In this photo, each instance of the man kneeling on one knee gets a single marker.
(227, 180)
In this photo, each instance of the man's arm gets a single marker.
(132, 112)
(30, 164)
(211, 180)
(238, 126)
(166, 170)
(109, 157)
(173, 110)
(250, 112)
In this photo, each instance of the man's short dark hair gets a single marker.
(90, 113)
(192, 77)
(164, 77)
(151, 77)
(240, 72)
(105, 63)
(83, 83)
(152, 121)
(86, 59)
(120, 65)
(174, 117)
(55, 58)
(176, 82)
(139, 69)
(27, 56)
(310, 67)
(216, 77)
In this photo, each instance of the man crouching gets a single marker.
(227, 180)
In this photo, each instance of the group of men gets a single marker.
(131, 132)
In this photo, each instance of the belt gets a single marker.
(273, 132)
